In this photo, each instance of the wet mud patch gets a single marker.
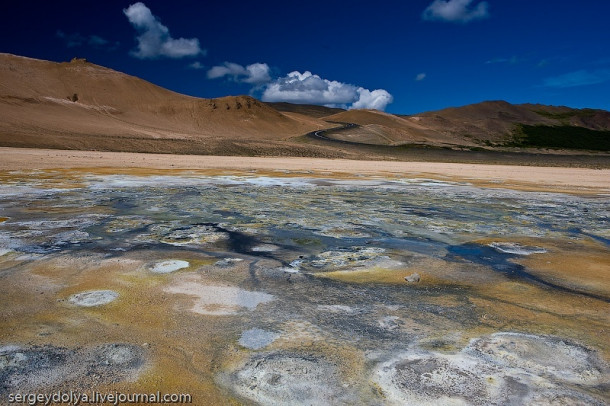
(218, 300)
(35, 368)
(583, 265)
(256, 338)
(502, 260)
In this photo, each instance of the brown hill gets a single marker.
(81, 105)
(493, 123)
(304, 109)
(379, 128)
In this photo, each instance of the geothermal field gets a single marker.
(301, 287)
(339, 204)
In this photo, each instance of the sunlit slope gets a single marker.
(487, 124)
(81, 105)
(498, 122)
(376, 127)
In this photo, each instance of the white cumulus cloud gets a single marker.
(155, 40)
(455, 11)
(420, 76)
(307, 88)
(377, 99)
(256, 73)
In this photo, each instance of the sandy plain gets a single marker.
(578, 180)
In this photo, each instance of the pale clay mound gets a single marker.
(169, 266)
(93, 298)
(499, 369)
(503, 368)
(289, 378)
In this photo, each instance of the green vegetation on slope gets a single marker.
(569, 137)
(567, 114)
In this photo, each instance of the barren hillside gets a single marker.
(376, 127)
(498, 122)
(488, 124)
(79, 105)
(304, 109)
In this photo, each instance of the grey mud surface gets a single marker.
(291, 290)
(30, 369)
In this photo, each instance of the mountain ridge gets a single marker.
(81, 105)
(486, 124)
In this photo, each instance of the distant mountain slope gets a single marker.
(497, 122)
(379, 128)
(493, 123)
(81, 105)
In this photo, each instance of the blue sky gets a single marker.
(401, 56)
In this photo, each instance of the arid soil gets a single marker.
(78, 105)
(572, 179)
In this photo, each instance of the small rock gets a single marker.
(414, 278)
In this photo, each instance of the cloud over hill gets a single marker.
(256, 73)
(455, 11)
(155, 40)
(303, 88)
